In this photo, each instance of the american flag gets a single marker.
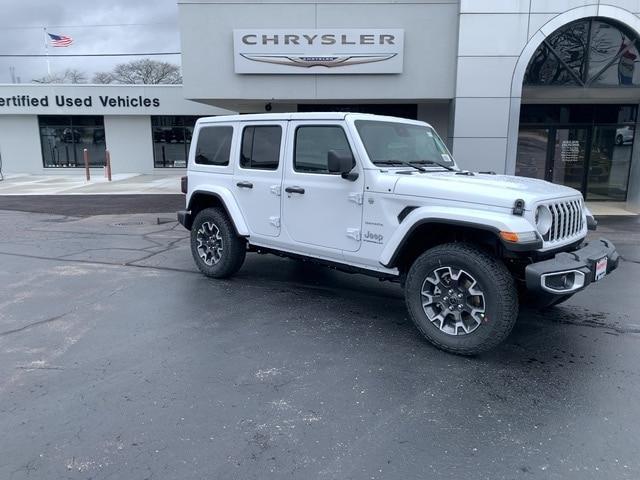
(59, 40)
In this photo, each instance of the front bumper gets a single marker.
(185, 219)
(576, 269)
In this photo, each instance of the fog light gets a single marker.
(562, 282)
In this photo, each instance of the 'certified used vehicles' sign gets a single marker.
(324, 51)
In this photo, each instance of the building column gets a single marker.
(633, 189)
(129, 141)
(20, 145)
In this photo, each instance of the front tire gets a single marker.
(215, 247)
(461, 299)
(619, 140)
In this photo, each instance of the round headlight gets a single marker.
(543, 219)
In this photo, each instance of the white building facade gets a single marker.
(543, 88)
(44, 129)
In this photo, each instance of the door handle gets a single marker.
(245, 184)
(299, 190)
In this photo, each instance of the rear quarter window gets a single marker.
(214, 145)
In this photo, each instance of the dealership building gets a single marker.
(543, 88)
(45, 129)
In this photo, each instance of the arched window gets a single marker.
(590, 52)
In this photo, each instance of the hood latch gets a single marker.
(518, 207)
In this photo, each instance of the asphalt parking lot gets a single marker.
(119, 360)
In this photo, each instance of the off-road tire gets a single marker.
(493, 279)
(233, 250)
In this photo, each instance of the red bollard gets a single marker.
(85, 154)
(108, 159)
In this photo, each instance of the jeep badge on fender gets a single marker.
(465, 246)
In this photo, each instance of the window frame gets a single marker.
(328, 124)
(244, 128)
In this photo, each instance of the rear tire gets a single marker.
(461, 299)
(215, 247)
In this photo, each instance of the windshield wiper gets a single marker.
(415, 164)
(400, 162)
(433, 162)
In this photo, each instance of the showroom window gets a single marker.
(171, 140)
(261, 147)
(64, 138)
(590, 52)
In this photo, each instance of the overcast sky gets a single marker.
(95, 26)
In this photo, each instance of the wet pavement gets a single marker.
(119, 360)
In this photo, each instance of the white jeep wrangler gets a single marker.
(383, 196)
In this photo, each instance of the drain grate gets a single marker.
(127, 224)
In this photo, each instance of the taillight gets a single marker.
(184, 184)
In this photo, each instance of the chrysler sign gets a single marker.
(325, 51)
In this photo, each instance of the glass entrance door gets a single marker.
(592, 159)
(569, 157)
(584, 146)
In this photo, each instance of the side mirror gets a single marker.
(342, 162)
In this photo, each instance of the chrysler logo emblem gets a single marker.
(321, 51)
(307, 61)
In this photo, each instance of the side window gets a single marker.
(312, 144)
(261, 147)
(214, 145)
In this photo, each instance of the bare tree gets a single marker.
(73, 75)
(55, 77)
(70, 75)
(143, 71)
(103, 78)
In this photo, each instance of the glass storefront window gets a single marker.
(546, 69)
(610, 162)
(587, 52)
(569, 44)
(625, 70)
(171, 140)
(587, 147)
(532, 152)
(64, 138)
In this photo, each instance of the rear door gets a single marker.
(257, 178)
(320, 208)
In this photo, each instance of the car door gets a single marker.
(257, 178)
(320, 208)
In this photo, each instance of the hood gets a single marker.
(486, 189)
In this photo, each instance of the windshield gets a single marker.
(388, 142)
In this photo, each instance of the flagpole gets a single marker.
(46, 49)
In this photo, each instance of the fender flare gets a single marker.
(490, 221)
(229, 203)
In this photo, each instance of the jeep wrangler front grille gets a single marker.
(567, 221)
